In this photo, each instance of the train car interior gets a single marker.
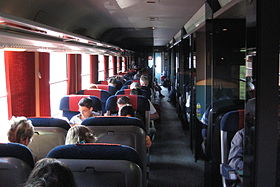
(140, 93)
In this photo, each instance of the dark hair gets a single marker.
(127, 110)
(123, 100)
(49, 172)
(87, 102)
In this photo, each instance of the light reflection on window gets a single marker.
(58, 81)
(85, 71)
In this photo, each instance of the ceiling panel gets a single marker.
(127, 23)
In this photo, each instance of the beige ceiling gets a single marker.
(128, 23)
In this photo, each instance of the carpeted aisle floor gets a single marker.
(171, 160)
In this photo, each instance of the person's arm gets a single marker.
(235, 157)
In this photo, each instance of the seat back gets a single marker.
(231, 122)
(140, 104)
(101, 164)
(120, 130)
(103, 82)
(50, 132)
(103, 95)
(125, 87)
(69, 104)
(16, 163)
(123, 92)
(129, 82)
(111, 89)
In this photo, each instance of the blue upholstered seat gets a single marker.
(103, 95)
(69, 104)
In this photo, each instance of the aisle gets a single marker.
(172, 163)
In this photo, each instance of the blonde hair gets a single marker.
(80, 134)
(20, 129)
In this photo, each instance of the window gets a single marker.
(111, 69)
(58, 81)
(3, 101)
(123, 65)
(100, 67)
(118, 64)
(85, 71)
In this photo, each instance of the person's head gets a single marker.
(135, 85)
(49, 172)
(92, 86)
(112, 82)
(21, 130)
(86, 107)
(79, 134)
(144, 80)
(123, 101)
(127, 110)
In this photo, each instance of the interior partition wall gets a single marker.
(262, 137)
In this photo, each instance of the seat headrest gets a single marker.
(232, 121)
(113, 121)
(70, 103)
(123, 92)
(18, 151)
(103, 95)
(111, 89)
(99, 151)
(50, 122)
(138, 102)
(125, 87)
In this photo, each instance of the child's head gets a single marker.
(123, 101)
(127, 110)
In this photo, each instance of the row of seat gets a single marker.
(69, 105)
(91, 164)
(125, 159)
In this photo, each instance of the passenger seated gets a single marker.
(128, 111)
(86, 111)
(144, 82)
(21, 130)
(80, 134)
(153, 112)
(124, 100)
(235, 158)
(50, 172)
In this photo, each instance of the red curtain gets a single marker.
(106, 67)
(94, 68)
(115, 65)
(120, 64)
(44, 69)
(74, 73)
(20, 80)
(125, 63)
